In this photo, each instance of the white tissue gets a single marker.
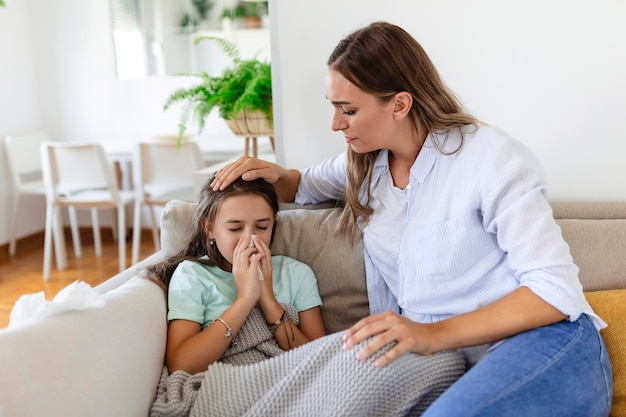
(77, 296)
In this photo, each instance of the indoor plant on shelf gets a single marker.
(243, 95)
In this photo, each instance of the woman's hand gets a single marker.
(388, 327)
(249, 169)
(285, 181)
(514, 313)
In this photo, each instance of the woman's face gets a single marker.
(240, 216)
(367, 123)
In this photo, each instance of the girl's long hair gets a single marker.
(383, 59)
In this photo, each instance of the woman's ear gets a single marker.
(402, 103)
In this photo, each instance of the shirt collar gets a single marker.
(422, 166)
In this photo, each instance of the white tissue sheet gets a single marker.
(77, 296)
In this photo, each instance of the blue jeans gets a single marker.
(557, 370)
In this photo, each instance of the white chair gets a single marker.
(25, 168)
(78, 175)
(162, 171)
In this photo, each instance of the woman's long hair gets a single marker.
(199, 246)
(383, 59)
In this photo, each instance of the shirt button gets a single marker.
(408, 187)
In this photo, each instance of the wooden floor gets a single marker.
(22, 273)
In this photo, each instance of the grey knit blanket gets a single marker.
(318, 378)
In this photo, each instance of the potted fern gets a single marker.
(243, 95)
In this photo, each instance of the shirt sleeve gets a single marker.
(298, 284)
(184, 294)
(308, 295)
(515, 208)
(324, 181)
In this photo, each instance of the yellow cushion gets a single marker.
(610, 305)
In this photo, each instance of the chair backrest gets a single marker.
(163, 165)
(73, 167)
(23, 156)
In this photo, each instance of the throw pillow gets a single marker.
(610, 305)
(308, 236)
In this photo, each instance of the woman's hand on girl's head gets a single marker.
(249, 169)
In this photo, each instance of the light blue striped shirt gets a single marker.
(477, 226)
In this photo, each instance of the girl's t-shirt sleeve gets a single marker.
(297, 284)
(185, 294)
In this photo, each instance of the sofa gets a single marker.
(106, 361)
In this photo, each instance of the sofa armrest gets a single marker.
(96, 362)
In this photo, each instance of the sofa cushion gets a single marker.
(306, 235)
(176, 226)
(598, 248)
(611, 306)
(97, 362)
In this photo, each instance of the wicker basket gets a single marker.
(251, 124)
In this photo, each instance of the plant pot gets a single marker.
(251, 124)
(253, 22)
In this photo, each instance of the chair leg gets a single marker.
(155, 229)
(59, 238)
(95, 225)
(78, 252)
(13, 224)
(136, 232)
(121, 231)
(53, 230)
(47, 245)
(113, 215)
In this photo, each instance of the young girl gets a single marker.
(225, 271)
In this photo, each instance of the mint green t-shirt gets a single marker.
(201, 293)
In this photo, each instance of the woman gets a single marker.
(461, 248)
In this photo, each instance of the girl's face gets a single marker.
(366, 122)
(239, 216)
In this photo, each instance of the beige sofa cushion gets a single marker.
(306, 235)
(598, 210)
(599, 249)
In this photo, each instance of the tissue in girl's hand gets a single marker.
(77, 296)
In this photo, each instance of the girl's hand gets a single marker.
(265, 265)
(389, 327)
(246, 262)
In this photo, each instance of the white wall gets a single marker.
(57, 73)
(548, 72)
(19, 103)
(552, 73)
